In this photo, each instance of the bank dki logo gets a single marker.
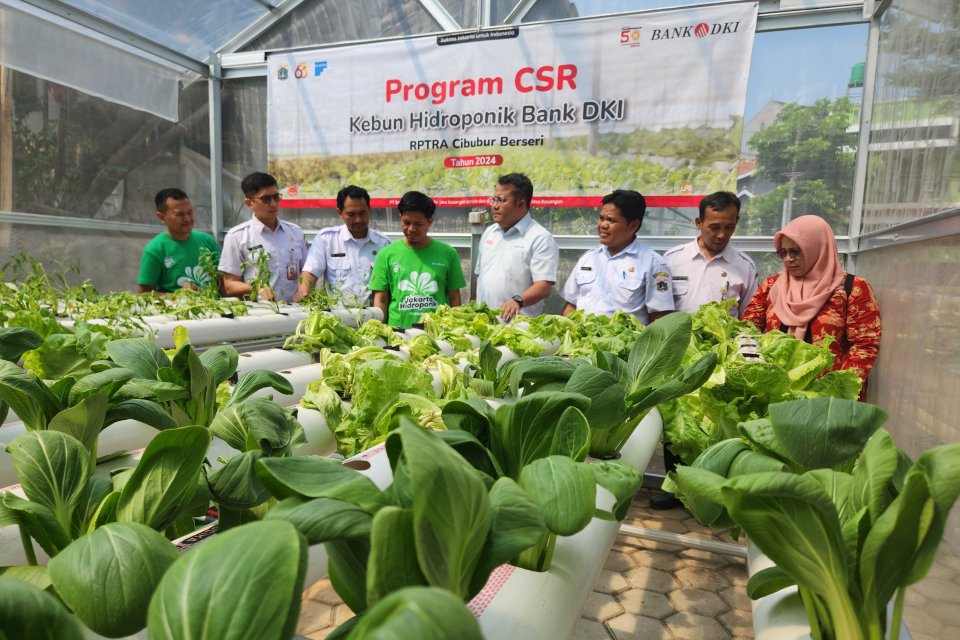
(702, 30)
(283, 72)
(630, 36)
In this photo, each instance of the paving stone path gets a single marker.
(656, 591)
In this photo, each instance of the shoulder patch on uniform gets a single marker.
(662, 280)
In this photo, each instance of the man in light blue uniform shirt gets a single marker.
(620, 274)
(341, 258)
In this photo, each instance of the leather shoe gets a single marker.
(665, 501)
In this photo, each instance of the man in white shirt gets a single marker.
(281, 243)
(342, 257)
(710, 269)
(622, 273)
(517, 265)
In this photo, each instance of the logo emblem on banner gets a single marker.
(283, 72)
(319, 66)
(630, 36)
(301, 71)
(702, 30)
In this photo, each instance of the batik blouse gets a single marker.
(854, 323)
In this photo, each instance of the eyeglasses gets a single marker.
(276, 197)
(495, 200)
(793, 252)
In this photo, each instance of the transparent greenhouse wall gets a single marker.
(81, 157)
(914, 154)
(917, 376)
(914, 171)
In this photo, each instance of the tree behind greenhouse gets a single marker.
(814, 148)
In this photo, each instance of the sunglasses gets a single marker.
(793, 253)
(268, 199)
(495, 200)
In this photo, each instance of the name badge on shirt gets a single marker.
(586, 268)
(680, 278)
(254, 248)
(338, 255)
(291, 271)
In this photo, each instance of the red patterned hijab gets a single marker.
(797, 301)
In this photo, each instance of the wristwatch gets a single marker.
(518, 300)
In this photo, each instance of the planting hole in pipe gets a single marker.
(359, 465)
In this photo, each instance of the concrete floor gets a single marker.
(655, 591)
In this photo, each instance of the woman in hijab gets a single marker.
(813, 297)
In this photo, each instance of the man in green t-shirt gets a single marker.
(171, 261)
(416, 274)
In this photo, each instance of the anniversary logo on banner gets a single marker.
(652, 102)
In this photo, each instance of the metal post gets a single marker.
(863, 144)
(690, 542)
(216, 146)
(478, 222)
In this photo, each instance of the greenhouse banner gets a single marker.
(650, 101)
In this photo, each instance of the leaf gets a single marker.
(15, 341)
(479, 457)
(761, 434)
(89, 504)
(26, 394)
(258, 423)
(28, 612)
(40, 522)
(767, 581)
(242, 583)
(607, 408)
(517, 524)
(235, 485)
(699, 489)
(564, 490)
(347, 568)
(526, 430)
(824, 432)
(318, 477)
(753, 462)
(166, 478)
(140, 355)
(872, 475)
(719, 457)
(424, 613)
(474, 416)
(451, 510)
(94, 383)
(254, 381)
(323, 519)
(82, 421)
(393, 562)
(151, 390)
(222, 360)
(621, 480)
(941, 467)
(146, 411)
(38, 577)
(53, 469)
(659, 349)
(791, 519)
(132, 557)
(888, 551)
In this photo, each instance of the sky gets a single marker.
(790, 66)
